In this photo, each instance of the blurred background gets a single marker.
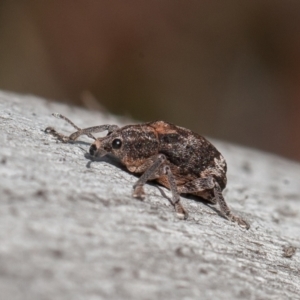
(225, 69)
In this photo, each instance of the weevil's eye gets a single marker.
(93, 150)
(116, 144)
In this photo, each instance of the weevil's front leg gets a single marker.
(150, 170)
(86, 131)
(201, 185)
(158, 168)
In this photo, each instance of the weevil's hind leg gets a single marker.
(210, 184)
(154, 168)
(225, 210)
(86, 131)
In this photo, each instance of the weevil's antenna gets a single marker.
(60, 116)
(63, 137)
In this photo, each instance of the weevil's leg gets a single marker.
(209, 183)
(150, 169)
(156, 168)
(86, 131)
(181, 212)
(226, 210)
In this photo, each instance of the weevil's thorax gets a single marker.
(191, 155)
(139, 143)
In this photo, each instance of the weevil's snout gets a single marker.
(93, 150)
(96, 149)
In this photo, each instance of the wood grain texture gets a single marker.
(69, 229)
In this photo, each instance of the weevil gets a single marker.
(175, 157)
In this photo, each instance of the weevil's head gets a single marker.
(131, 144)
(112, 143)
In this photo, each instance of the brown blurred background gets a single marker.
(226, 69)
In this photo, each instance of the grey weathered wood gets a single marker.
(70, 230)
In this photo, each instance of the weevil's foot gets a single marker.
(242, 223)
(181, 213)
(138, 192)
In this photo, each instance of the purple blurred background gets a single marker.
(229, 70)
